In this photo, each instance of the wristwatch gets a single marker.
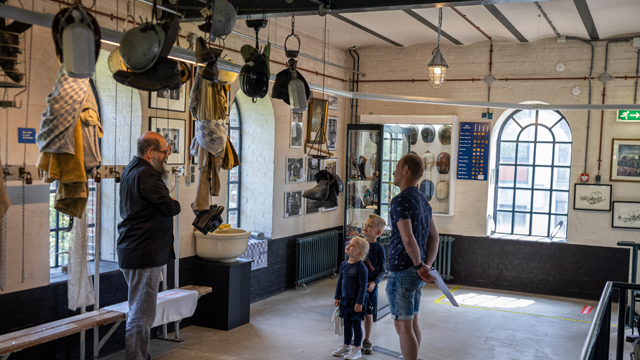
(419, 266)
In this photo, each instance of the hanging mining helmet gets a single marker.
(185, 72)
(413, 139)
(223, 19)
(115, 62)
(428, 133)
(254, 75)
(444, 135)
(428, 159)
(76, 35)
(141, 46)
(427, 188)
(297, 93)
(443, 163)
(227, 77)
(442, 191)
(280, 88)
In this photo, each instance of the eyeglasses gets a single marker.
(163, 152)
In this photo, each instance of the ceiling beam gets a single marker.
(505, 22)
(587, 20)
(366, 29)
(544, 14)
(431, 26)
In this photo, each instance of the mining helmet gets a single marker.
(141, 46)
(254, 75)
(223, 19)
(115, 62)
(428, 133)
(413, 139)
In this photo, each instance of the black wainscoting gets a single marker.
(577, 271)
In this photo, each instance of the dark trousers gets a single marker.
(353, 329)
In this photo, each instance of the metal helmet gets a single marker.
(428, 133)
(223, 19)
(185, 72)
(427, 188)
(115, 62)
(227, 77)
(414, 134)
(428, 159)
(254, 75)
(141, 46)
(444, 135)
(442, 191)
(297, 93)
(76, 35)
(443, 162)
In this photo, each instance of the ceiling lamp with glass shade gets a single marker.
(438, 66)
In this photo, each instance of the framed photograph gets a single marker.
(308, 209)
(313, 166)
(296, 117)
(333, 102)
(331, 165)
(174, 131)
(292, 204)
(329, 209)
(295, 170)
(625, 160)
(317, 121)
(296, 136)
(626, 215)
(592, 197)
(173, 100)
(332, 133)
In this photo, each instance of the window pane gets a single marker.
(528, 134)
(233, 218)
(521, 223)
(555, 219)
(523, 200)
(63, 220)
(234, 117)
(544, 134)
(385, 193)
(64, 240)
(233, 196)
(563, 154)
(543, 178)
(233, 174)
(561, 178)
(507, 152)
(541, 201)
(505, 199)
(52, 249)
(548, 117)
(385, 171)
(52, 211)
(544, 154)
(560, 202)
(525, 153)
(562, 131)
(503, 223)
(524, 177)
(540, 225)
(525, 117)
(505, 177)
(234, 135)
(510, 131)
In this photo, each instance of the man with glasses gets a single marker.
(145, 241)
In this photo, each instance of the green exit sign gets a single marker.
(628, 115)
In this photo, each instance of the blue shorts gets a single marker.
(404, 289)
(371, 305)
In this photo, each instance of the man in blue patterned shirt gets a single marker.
(413, 248)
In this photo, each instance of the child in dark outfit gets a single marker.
(351, 292)
(375, 263)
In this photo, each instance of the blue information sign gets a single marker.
(26, 135)
(473, 150)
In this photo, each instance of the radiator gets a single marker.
(443, 259)
(316, 256)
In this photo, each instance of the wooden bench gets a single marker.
(202, 290)
(22, 339)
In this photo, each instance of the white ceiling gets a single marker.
(611, 17)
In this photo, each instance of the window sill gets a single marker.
(57, 276)
(540, 239)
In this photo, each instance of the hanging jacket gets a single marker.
(91, 134)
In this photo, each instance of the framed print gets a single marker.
(296, 136)
(592, 197)
(626, 215)
(625, 160)
(295, 170)
(333, 102)
(317, 121)
(292, 203)
(296, 117)
(332, 133)
(173, 131)
(331, 165)
(309, 209)
(313, 166)
(329, 209)
(173, 100)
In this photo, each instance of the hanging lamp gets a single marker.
(438, 66)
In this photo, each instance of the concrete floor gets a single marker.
(491, 324)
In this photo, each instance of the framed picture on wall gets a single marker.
(310, 209)
(292, 204)
(332, 133)
(313, 166)
(173, 100)
(295, 170)
(592, 197)
(333, 102)
(296, 136)
(317, 121)
(174, 131)
(625, 160)
(626, 215)
(331, 165)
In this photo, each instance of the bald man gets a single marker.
(145, 241)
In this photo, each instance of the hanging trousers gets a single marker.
(143, 294)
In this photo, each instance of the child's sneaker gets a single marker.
(354, 353)
(367, 347)
(341, 350)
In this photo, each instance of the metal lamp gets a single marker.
(438, 66)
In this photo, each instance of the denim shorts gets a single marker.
(404, 289)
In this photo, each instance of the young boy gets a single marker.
(375, 263)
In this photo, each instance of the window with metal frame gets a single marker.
(60, 229)
(392, 152)
(234, 175)
(533, 162)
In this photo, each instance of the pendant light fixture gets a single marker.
(438, 66)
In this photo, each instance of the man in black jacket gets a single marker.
(145, 243)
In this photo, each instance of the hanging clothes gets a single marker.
(208, 183)
(207, 100)
(79, 286)
(91, 134)
(4, 198)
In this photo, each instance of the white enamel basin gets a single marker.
(222, 245)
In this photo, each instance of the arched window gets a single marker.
(234, 175)
(533, 163)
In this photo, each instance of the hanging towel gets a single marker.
(337, 322)
(207, 100)
(79, 287)
(4, 199)
(64, 106)
(91, 134)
